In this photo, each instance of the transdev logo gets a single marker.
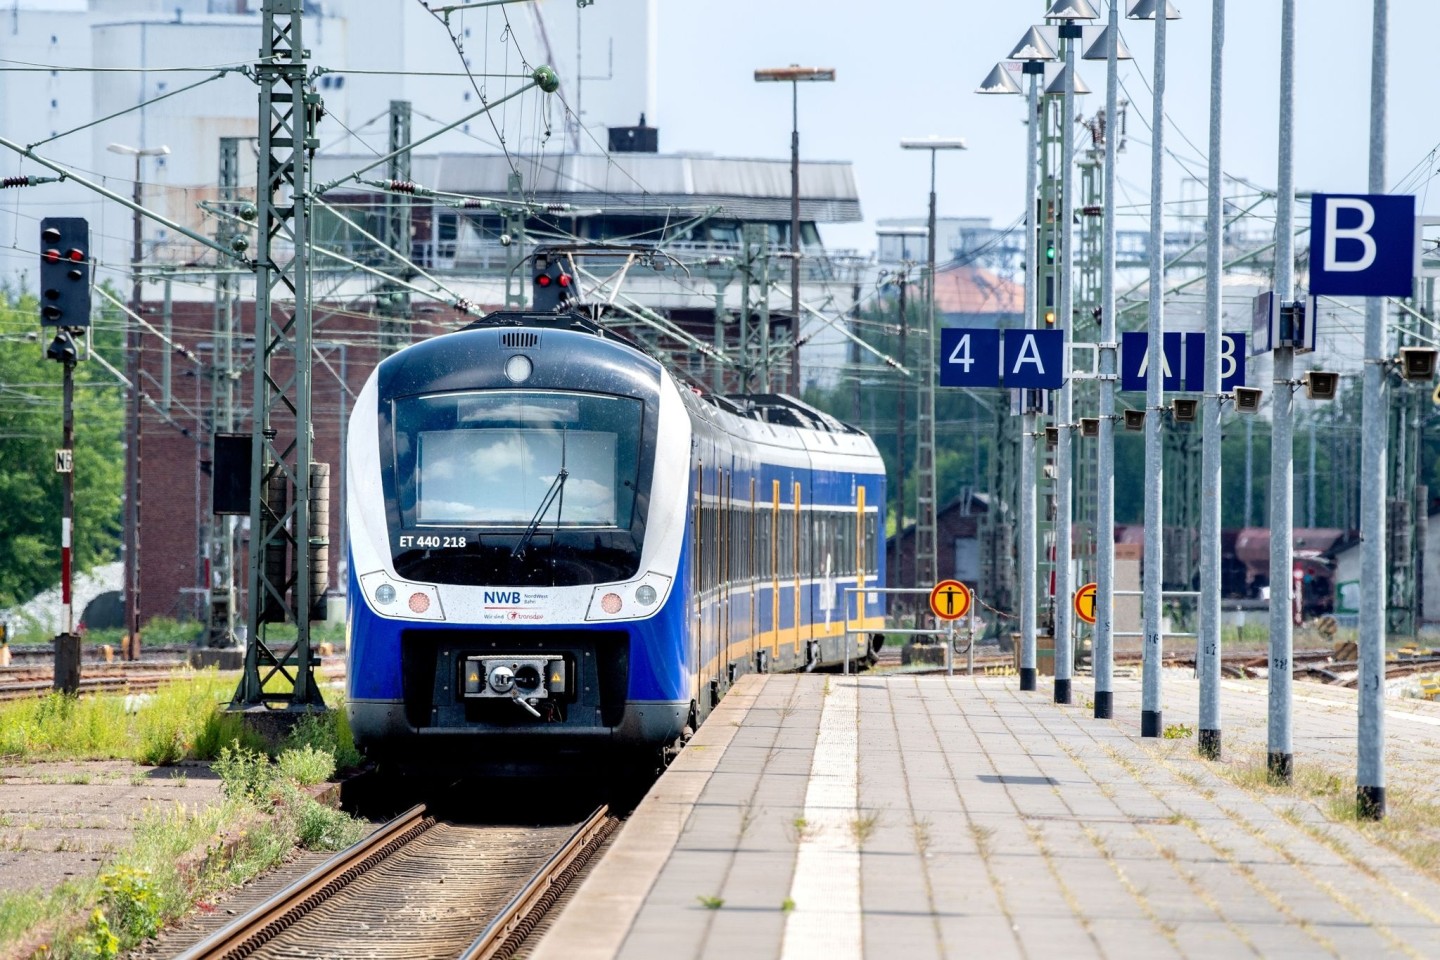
(502, 596)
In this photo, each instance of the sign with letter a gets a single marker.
(1362, 245)
(1034, 359)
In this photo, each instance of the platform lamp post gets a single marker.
(794, 75)
(1069, 13)
(132, 371)
(926, 563)
(1108, 47)
(1033, 51)
(1150, 710)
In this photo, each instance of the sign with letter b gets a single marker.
(1362, 245)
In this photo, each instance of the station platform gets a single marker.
(900, 816)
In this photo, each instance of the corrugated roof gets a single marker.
(973, 290)
(747, 189)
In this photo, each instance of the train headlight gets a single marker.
(518, 368)
(397, 598)
(629, 601)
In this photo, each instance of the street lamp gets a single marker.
(1069, 13)
(1150, 710)
(1108, 46)
(1033, 51)
(794, 75)
(132, 370)
(926, 571)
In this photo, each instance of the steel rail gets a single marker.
(514, 923)
(249, 930)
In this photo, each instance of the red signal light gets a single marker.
(76, 254)
(52, 256)
(542, 280)
(564, 279)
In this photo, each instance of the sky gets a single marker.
(909, 68)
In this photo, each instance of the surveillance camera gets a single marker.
(1089, 426)
(1134, 419)
(1247, 399)
(506, 239)
(1417, 363)
(1183, 409)
(1052, 436)
(1321, 385)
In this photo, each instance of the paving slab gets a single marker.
(844, 817)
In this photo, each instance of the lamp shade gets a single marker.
(998, 80)
(1099, 48)
(1070, 10)
(1055, 86)
(1033, 46)
(1146, 9)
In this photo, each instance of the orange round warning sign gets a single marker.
(1085, 603)
(950, 600)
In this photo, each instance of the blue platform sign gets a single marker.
(1034, 359)
(1362, 245)
(1018, 359)
(970, 358)
(1183, 357)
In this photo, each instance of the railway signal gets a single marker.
(64, 272)
(65, 305)
(554, 286)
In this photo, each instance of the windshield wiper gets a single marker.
(557, 488)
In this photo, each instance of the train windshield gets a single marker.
(521, 479)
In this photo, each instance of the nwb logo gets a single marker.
(502, 596)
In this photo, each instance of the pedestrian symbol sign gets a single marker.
(950, 600)
(1085, 603)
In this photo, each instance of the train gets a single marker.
(560, 549)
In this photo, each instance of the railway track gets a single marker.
(37, 678)
(419, 887)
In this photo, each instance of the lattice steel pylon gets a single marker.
(220, 530)
(393, 301)
(287, 556)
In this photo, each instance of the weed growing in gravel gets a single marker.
(711, 903)
(1178, 731)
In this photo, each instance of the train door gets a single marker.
(774, 577)
(753, 570)
(800, 554)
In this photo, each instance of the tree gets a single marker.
(30, 433)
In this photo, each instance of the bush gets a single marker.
(306, 766)
(318, 827)
(330, 732)
(244, 773)
(167, 632)
(131, 904)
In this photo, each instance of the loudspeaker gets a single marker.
(1089, 426)
(1134, 419)
(1247, 399)
(1183, 409)
(1321, 384)
(1417, 363)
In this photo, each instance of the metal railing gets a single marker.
(951, 631)
(1164, 594)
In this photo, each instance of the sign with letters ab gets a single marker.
(1020, 359)
(1183, 357)
(1362, 245)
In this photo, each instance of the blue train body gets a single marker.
(556, 549)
